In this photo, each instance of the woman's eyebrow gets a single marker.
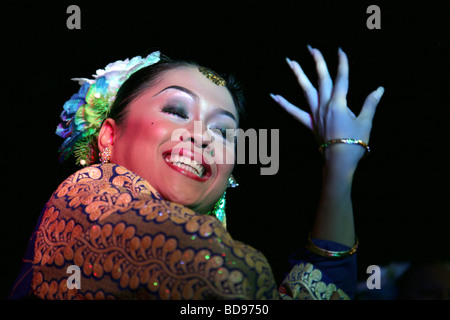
(195, 97)
(226, 113)
(186, 90)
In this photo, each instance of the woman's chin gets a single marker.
(181, 197)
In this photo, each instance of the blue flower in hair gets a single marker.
(83, 114)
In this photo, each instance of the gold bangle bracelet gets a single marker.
(331, 254)
(346, 141)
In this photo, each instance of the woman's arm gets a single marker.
(330, 118)
(334, 218)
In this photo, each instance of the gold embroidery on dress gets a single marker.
(130, 243)
(304, 283)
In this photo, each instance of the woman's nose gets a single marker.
(198, 135)
(198, 142)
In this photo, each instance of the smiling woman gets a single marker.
(148, 222)
(160, 125)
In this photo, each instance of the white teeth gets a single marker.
(187, 164)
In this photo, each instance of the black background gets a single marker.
(400, 191)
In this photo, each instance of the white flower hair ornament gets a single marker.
(85, 112)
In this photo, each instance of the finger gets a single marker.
(370, 105)
(300, 115)
(308, 89)
(325, 83)
(340, 88)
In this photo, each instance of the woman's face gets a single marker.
(174, 137)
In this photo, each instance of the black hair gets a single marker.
(146, 77)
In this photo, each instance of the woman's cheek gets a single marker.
(141, 138)
(159, 131)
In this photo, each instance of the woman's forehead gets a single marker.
(195, 83)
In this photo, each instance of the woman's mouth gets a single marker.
(184, 162)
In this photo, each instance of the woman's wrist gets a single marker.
(343, 157)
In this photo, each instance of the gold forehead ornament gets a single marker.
(211, 75)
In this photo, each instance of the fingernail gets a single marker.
(310, 49)
(274, 97)
(289, 61)
(379, 92)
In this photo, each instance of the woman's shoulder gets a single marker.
(113, 176)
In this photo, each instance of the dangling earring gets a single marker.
(219, 208)
(104, 155)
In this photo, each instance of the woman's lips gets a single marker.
(188, 163)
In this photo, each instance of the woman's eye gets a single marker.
(175, 111)
(223, 132)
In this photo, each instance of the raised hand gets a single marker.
(329, 116)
